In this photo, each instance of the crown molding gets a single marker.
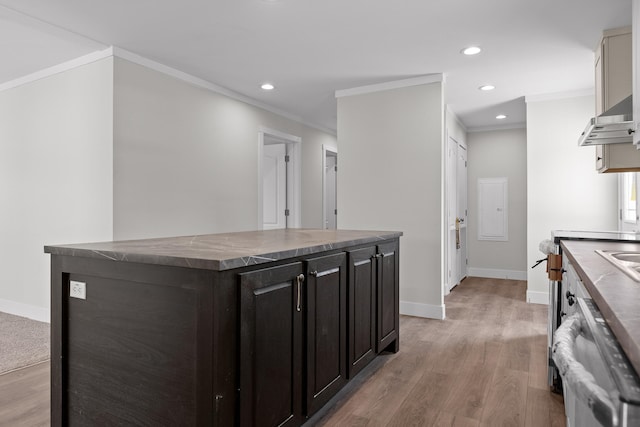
(396, 84)
(196, 81)
(57, 69)
(117, 52)
(559, 95)
(490, 128)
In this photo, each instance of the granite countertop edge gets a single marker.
(184, 255)
(615, 294)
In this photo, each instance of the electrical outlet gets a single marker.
(77, 289)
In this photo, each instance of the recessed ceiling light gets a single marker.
(487, 87)
(471, 50)
(267, 86)
(501, 116)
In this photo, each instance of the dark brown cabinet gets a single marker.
(326, 337)
(388, 322)
(373, 303)
(207, 330)
(271, 346)
(362, 308)
(277, 305)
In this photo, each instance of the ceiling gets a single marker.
(309, 49)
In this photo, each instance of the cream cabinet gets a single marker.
(614, 82)
(617, 158)
(613, 68)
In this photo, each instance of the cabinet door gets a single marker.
(388, 297)
(271, 346)
(599, 78)
(326, 346)
(362, 309)
(600, 158)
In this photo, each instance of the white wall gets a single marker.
(455, 129)
(565, 192)
(115, 150)
(55, 177)
(186, 158)
(390, 167)
(492, 154)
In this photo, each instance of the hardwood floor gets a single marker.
(485, 365)
(24, 396)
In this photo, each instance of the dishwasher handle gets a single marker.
(575, 374)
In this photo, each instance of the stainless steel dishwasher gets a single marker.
(601, 388)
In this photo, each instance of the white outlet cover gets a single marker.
(77, 289)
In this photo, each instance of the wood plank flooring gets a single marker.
(24, 396)
(485, 365)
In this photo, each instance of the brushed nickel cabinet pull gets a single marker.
(299, 279)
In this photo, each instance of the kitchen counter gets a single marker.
(616, 294)
(612, 236)
(247, 328)
(224, 251)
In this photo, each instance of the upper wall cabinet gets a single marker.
(614, 83)
(613, 68)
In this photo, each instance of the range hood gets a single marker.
(614, 126)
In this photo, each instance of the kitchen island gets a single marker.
(250, 328)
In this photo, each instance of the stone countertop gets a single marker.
(613, 236)
(616, 294)
(224, 251)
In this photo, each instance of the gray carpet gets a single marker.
(23, 342)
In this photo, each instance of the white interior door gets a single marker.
(456, 212)
(461, 185)
(452, 177)
(331, 171)
(274, 186)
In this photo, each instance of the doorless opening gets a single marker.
(329, 187)
(278, 180)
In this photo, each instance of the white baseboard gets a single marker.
(494, 273)
(534, 297)
(428, 311)
(25, 310)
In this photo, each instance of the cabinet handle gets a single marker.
(598, 158)
(630, 131)
(313, 273)
(299, 279)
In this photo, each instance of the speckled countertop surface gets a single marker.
(616, 294)
(224, 251)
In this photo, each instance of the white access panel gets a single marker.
(492, 209)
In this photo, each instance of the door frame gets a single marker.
(451, 195)
(327, 149)
(294, 171)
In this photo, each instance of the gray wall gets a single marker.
(565, 191)
(55, 177)
(390, 178)
(185, 158)
(492, 154)
(116, 150)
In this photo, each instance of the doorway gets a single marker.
(456, 213)
(278, 180)
(329, 187)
